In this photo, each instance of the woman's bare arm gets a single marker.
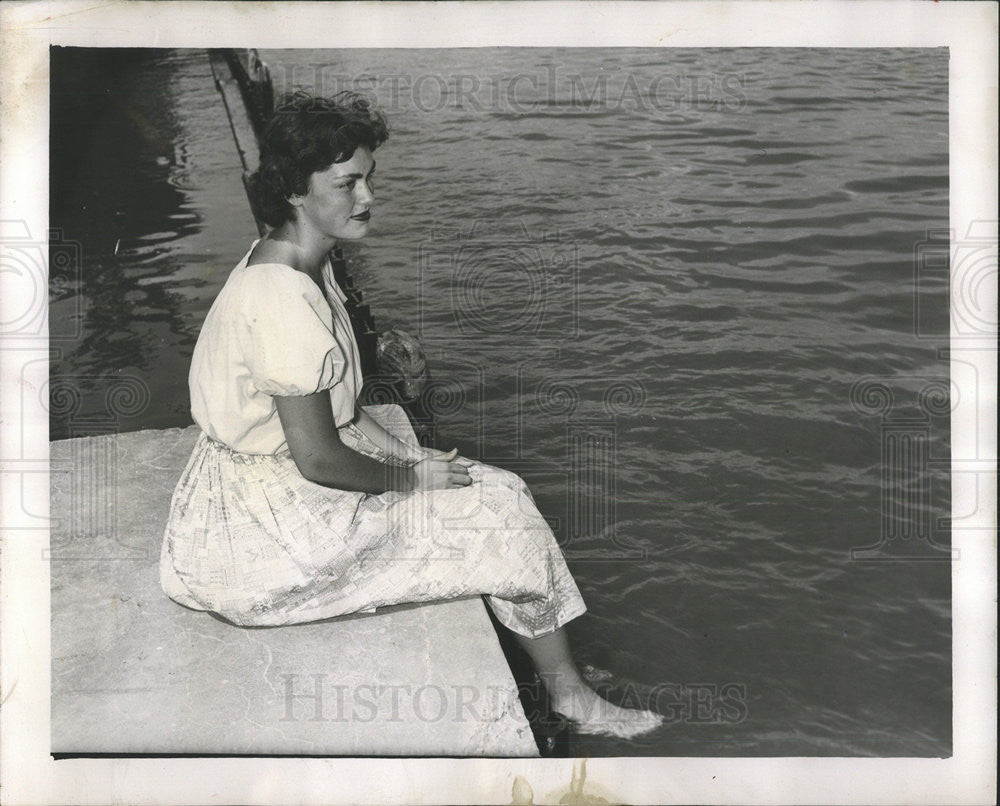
(393, 445)
(322, 458)
(386, 441)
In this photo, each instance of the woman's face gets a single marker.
(340, 198)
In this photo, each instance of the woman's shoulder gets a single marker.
(272, 280)
(266, 295)
(272, 271)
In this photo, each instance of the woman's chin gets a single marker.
(355, 232)
(340, 237)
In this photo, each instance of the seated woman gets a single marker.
(297, 504)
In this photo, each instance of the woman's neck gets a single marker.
(291, 245)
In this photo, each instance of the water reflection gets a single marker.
(116, 177)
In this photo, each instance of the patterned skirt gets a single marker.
(249, 538)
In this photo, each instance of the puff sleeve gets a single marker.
(291, 345)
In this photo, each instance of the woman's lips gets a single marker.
(362, 216)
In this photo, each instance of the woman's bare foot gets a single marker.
(591, 714)
(570, 696)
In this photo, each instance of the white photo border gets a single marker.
(30, 775)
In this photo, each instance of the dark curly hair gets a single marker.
(305, 135)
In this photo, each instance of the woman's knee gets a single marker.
(489, 474)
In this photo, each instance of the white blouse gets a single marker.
(271, 331)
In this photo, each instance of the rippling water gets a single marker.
(648, 280)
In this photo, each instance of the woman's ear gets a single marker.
(296, 199)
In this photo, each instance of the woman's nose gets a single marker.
(365, 192)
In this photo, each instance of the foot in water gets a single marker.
(590, 714)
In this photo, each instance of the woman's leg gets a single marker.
(573, 698)
(505, 547)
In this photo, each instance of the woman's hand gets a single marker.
(437, 453)
(443, 471)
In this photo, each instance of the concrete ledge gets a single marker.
(133, 672)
